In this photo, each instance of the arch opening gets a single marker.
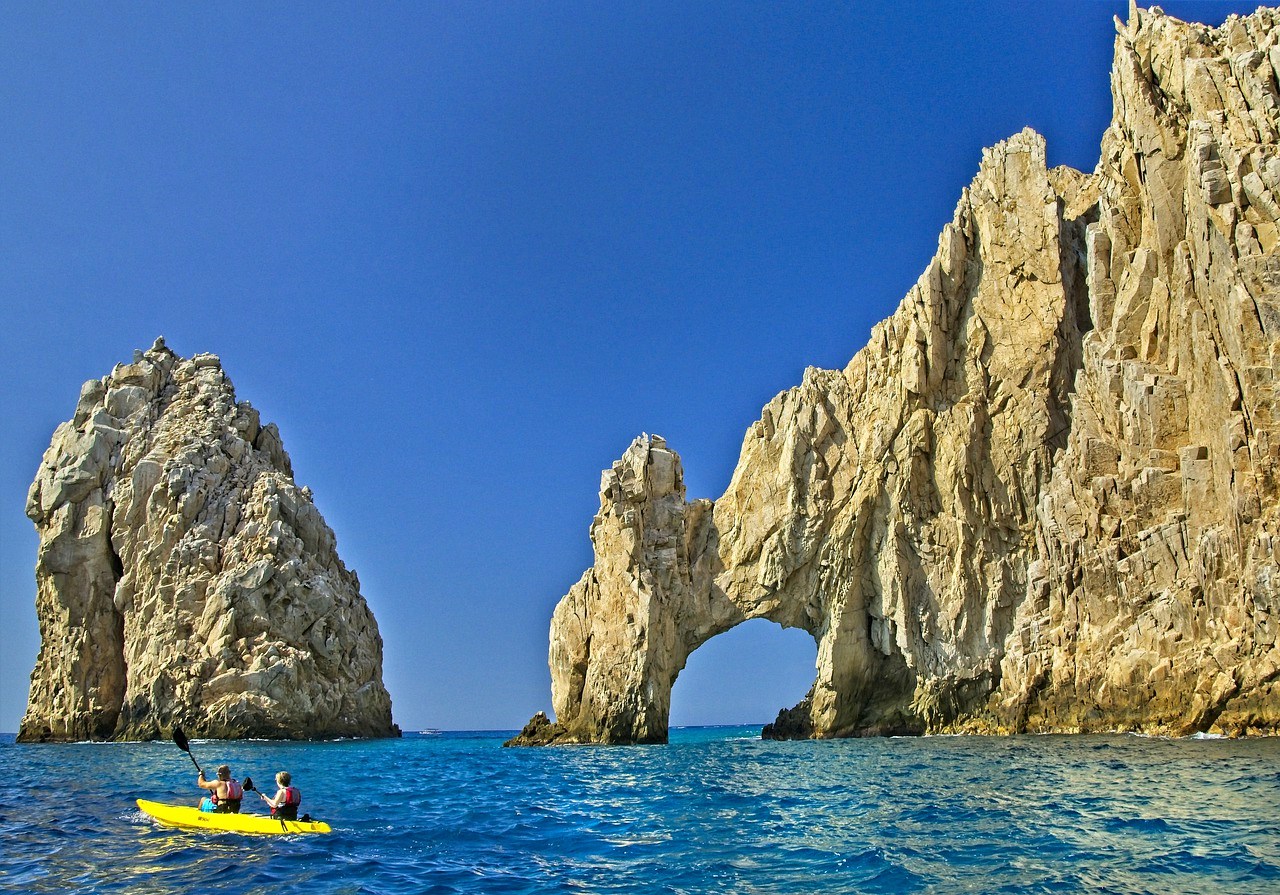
(744, 676)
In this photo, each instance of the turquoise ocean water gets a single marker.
(717, 810)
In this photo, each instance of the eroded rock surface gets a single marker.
(1044, 496)
(184, 579)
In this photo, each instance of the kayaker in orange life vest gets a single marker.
(224, 793)
(287, 798)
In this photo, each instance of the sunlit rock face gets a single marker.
(1044, 496)
(183, 578)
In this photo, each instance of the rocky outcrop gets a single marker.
(1044, 496)
(184, 579)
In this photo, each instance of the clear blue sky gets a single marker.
(462, 253)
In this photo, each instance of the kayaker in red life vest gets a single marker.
(224, 793)
(287, 798)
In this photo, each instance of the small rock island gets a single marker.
(1044, 497)
(184, 579)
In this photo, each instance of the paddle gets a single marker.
(249, 787)
(180, 740)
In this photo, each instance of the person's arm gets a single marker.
(281, 797)
(206, 784)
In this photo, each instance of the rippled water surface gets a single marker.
(717, 810)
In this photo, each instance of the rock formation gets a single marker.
(184, 579)
(1044, 497)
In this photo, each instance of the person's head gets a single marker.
(283, 778)
(224, 772)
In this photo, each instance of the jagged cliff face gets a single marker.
(1153, 599)
(184, 579)
(1044, 496)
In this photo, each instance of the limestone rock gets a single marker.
(1044, 496)
(184, 579)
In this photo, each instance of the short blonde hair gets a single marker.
(283, 778)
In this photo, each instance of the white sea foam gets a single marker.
(102, 743)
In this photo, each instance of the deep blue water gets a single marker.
(717, 810)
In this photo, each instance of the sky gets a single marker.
(463, 253)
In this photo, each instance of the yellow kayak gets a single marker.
(195, 819)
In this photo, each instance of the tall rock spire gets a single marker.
(183, 578)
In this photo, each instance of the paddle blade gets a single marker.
(180, 740)
(247, 786)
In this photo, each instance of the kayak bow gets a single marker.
(195, 819)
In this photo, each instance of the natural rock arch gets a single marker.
(881, 508)
(626, 629)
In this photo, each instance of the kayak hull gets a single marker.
(189, 818)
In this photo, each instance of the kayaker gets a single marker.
(224, 793)
(287, 798)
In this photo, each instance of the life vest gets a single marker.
(289, 810)
(235, 792)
